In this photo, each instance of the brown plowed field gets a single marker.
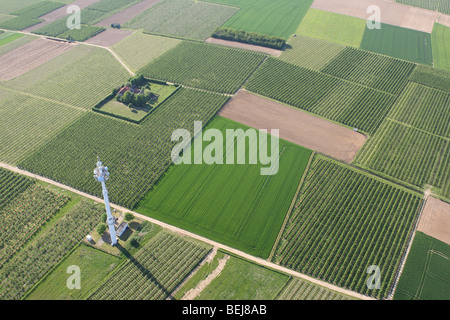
(128, 13)
(295, 125)
(109, 37)
(30, 56)
(435, 220)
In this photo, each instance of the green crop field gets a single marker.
(440, 39)
(28, 16)
(369, 69)
(408, 154)
(94, 72)
(138, 154)
(95, 265)
(11, 186)
(154, 271)
(204, 66)
(310, 53)
(244, 280)
(434, 5)
(214, 201)
(299, 289)
(322, 94)
(24, 216)
(140, 49)
(426, 273)
(344, 221)
(183, 18)
(82, 34)
(27, 122)
(400, 43)
(32, 262)
(7, 7)
(15, 44)
(431, 77)
(9, 38)
(280, 18)
(333, 27)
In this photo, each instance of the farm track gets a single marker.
(193, 235)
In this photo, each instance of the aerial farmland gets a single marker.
(243, 151)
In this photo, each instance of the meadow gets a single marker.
(203, 66)
(183, 18)
(440, 39)
(214, 201)
(333, 27)
(279, 18)
(426, 272)
(345, 220)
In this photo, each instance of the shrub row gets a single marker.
(250, 38)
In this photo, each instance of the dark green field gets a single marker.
(232, 204)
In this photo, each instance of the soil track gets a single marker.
(109, 37)
(295, 125)
(128, 14)
(435, 220)
(393, 13)
(30, 56)
(234, 44)
(60, 13)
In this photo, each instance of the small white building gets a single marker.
(122, 228)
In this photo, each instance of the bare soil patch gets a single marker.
(60, 13)
(393, 13)
(128, 13)
(30, 56)
(444, 20)
(251, 47)
(109, 37)
(295, 125)
(435, 220)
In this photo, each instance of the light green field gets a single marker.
(7, 7)
(15, 44)
(27, 123)
(244, 280)
(402, 43)
(94, 265)
(80, 77)
(299, 289)
(426, 275)
(275, 18)
(10, 38)
(440, 39)
(139, 49)
(183, 18)
(333, 27)
(232, 204)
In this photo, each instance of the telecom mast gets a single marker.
(101, 174)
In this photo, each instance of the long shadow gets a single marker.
(145, 272)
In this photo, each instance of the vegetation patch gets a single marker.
(434, 5)
(250, 38)
(431, 77)
(299, 289)
(440, 38)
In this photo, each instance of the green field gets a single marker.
(299, 289)
(431, 77)
(7, 7)
(439, 5)
(244, 280)
(204, 66)
(154, 271)
(137, 154)
(140, 49)
(94, 72)
(183, 18)
(94, 265)
(15, 44)
(335, 99)
(440, 39)
(9, 37)
(333, 27)
(232, 204)
(400, 43)
(344, 221)
(426, 272)
(28, 16)
(280, 18)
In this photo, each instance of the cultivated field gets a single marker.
(295, 126)
(440, 39)
(109, 37)
(435, 78)
(298, 289)
(30, 56)
(246, 46)
(439, 5)
(232, 204)
(435, 220)
(344, 221)
(128, 14)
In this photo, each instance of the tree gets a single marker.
(104, 217)
(101, 228)
(140, 100)
(129, 216)
(127, 98)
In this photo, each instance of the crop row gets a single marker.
(136, 155)
(343, 222)
(431, 77)
(439, 5)
(204, 66)
(298, 289)
(319, 93)
(24, 216)
(30, 264)
(154, 272)
(11, 185)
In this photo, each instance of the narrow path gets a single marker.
(182, 232)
